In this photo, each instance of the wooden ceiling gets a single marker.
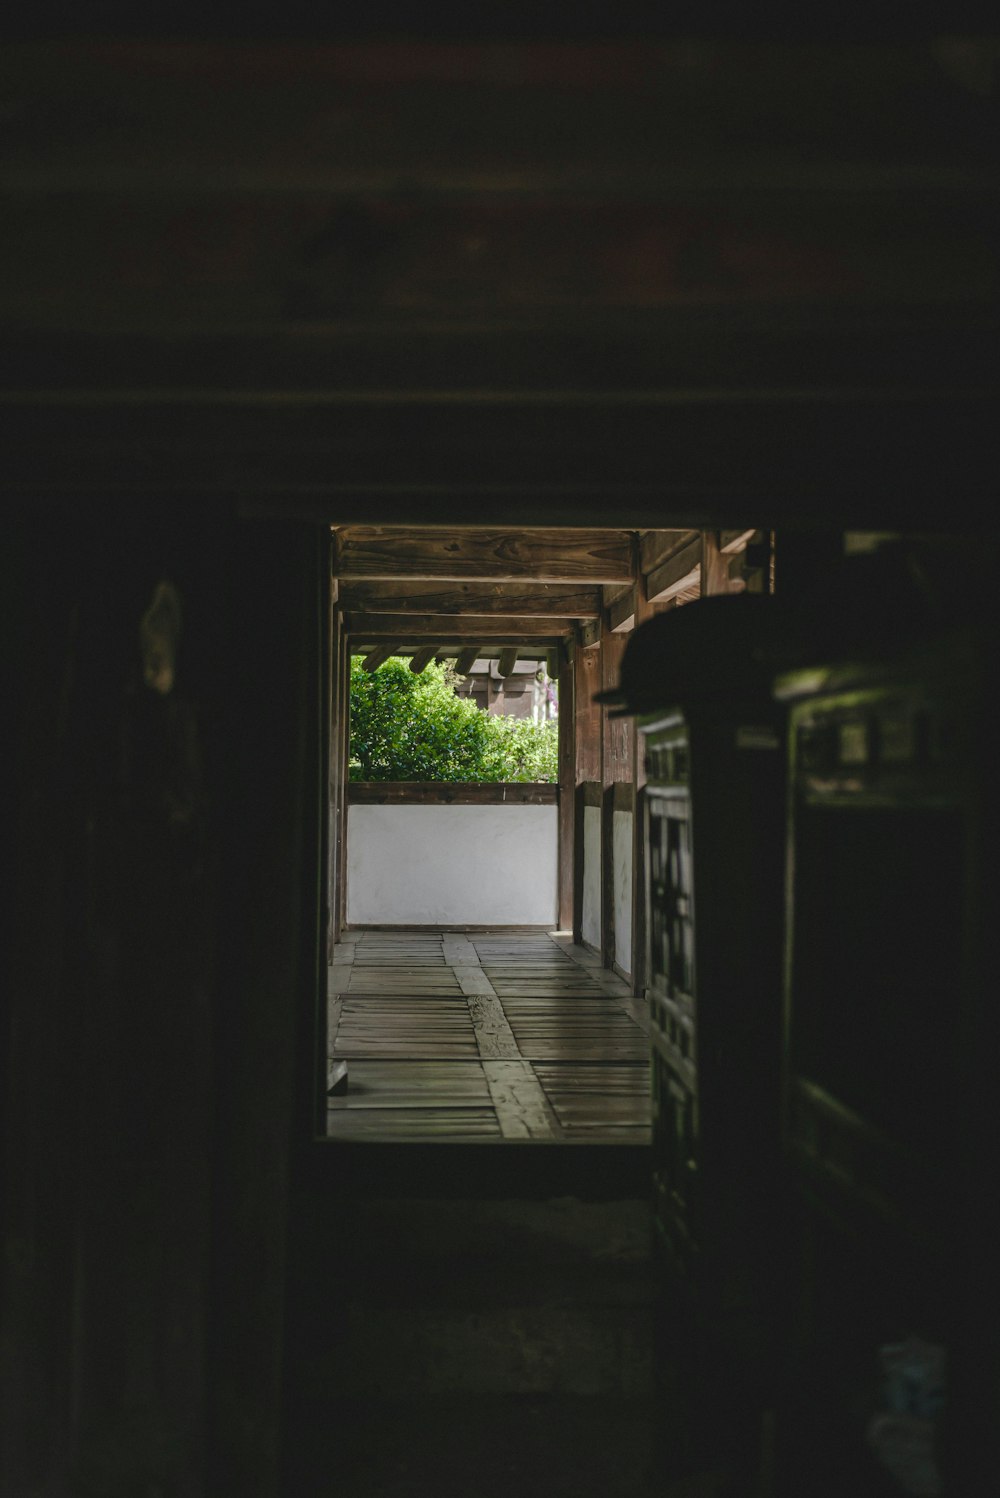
(503, 591)
(665, 281)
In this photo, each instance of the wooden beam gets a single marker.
(590, 634)
(415, 630)
(656, 546)
(450, 793)
(378, 552)
(422, 657)
(553, 663)
(376, 657)
(506, 663)
(621, 613)
(731, 542)
(512, 600)
(466, 659)
(714, 567)
(679, 571)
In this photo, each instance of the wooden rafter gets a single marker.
(375, 657)
(422, 658)
(506, 662)
(466, 659)
(621, 613)
(541, 555)
(679, 571)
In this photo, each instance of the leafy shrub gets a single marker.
(407, 727)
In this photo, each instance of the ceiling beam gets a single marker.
(677, 572)
(656, 546)
(513, 600)
(621, 612)
(373, 552)
(414, 629)
(466, 659)
(506, 662)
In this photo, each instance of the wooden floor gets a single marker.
(486, 1037)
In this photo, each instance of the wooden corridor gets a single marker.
(488, 1037)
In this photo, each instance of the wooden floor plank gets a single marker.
(522, 1109)
(414, 1084)
(490, 1038)
(413, 1124)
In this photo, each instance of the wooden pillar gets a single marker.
(643, 610)
(567, 793)
(714, 566)
(587, 718)
(344, 736)
(616, 768)
(336, 775)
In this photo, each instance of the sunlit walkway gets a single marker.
(488, 1037)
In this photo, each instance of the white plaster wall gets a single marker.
(590, 925)
(443, 865)
(622, 845)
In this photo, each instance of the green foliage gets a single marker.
(407, 727)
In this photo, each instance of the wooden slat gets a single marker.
(466, 659)
(412, 1124)
(512, 600)
(414, 1084)
(378, 552)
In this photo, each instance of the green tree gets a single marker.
(408, 727)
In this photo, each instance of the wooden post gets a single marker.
(345, 743)
(714, 566)
(587, 719)
(567, 794)
(336, 779)
(643, 610)
(616, 765)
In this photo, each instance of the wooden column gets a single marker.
(344, 736)
(587, 719)
(616, 769)
(336, 776)
(714, 566)
(567, 793)
(643, 610)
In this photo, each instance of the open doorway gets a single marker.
(452, 794)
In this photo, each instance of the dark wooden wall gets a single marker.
(155, 985)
